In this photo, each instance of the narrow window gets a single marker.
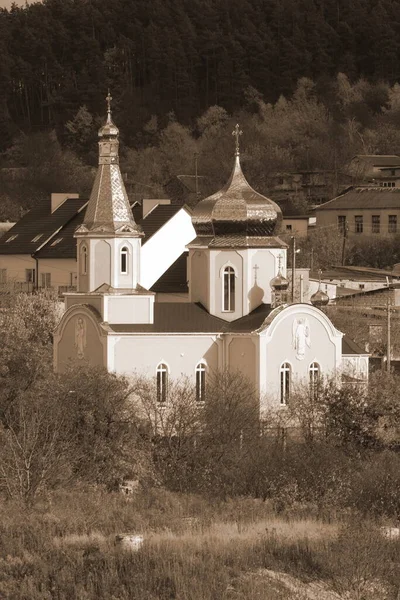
(341, 221)
(200, 382)
(392, 226)
(376, 223)
(3, 275)
(11, 238)
(285, 371)
(314, 375)
(359, 224)
(45, 280)
(84, 260)
(162, 383)
(229, 289)
(124, 260)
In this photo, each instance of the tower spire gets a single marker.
(108, 209)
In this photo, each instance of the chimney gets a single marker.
(58, 199)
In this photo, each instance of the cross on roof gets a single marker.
(108, 100)
(256, 267)
(237, 133)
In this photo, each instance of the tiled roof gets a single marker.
(364, 198)
(67, 247)
(156, 218)
(379, 160)
(174, 280)
(353, 274)
(350, 347)
(39, 221)
(177, 317)
(238, 241)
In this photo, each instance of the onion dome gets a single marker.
(279, 283)
(320, 298)
(237, 208)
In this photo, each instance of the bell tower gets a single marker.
(109, 243)
(109, 240)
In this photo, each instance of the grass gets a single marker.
(194, 549)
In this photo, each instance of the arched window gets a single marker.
(201, 382)
(285, 373)
(314, 375)
(162, 383)
(124, 260)
(84, 260)
(229, 289)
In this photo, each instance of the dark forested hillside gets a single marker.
(160, 56)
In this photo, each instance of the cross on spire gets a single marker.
(237, 133)
(108, 100)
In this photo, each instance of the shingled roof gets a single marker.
(364, 198)
(174, 280)
(39, 221)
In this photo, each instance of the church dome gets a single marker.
(109, 129)
(237, 209)
(319, 299)
(279, 283)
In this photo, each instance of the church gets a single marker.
(237, 318)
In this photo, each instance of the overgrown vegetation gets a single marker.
(223, 509)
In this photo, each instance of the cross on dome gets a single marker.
(237, 133)
(108, 100)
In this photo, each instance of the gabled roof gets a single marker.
(39, 221)
(156, 218)
(364, 198)
(174, 280)
(379, 160)
(349, 346)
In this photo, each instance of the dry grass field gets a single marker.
(64, 549)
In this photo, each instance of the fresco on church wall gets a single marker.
(300, 335)
(80, 343)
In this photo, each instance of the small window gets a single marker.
(37, 237)
(361, 286)
(162, 383)
(30, 275)
(376, 223)
(84, 260)
(200, 382)
(285, 373)
(289, 227)
(314, 374)
(392, 225)
(229, 289)
(11, 238)
(358, 224)
(45, 279)
(124, 260)
(57, 241)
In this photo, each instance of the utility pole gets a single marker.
(388, 335)
(293, 266)
(344, 243)
(311, 259)
(196, 156)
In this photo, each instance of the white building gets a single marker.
(235, 317)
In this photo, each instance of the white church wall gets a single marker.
(164, 247)
(299, 335)
(199, 278)
(142, 353)
(100, 263)
(219, 259)
(264, 266)
(129, 309)
(241, 353)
